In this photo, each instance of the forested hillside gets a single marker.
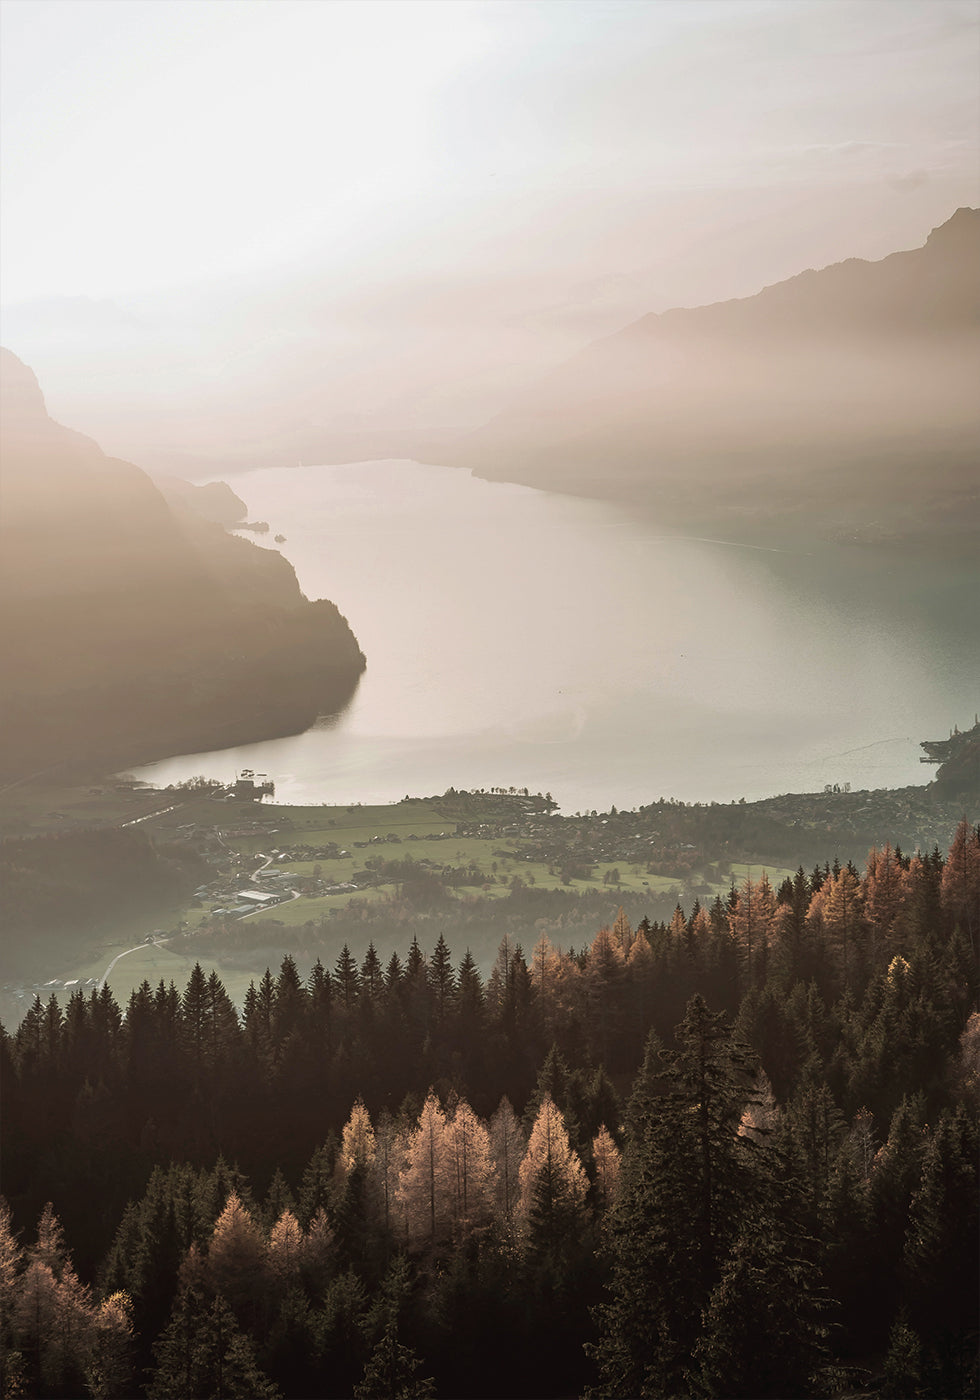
(139, 628)
(730, 1155)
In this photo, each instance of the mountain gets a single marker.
(847, 394)
(133, 626)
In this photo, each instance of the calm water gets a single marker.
(516, 637)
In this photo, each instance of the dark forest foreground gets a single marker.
(732, 1155)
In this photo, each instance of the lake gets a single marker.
(516, 637)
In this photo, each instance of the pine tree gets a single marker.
(604, 993)
(258, 1012)
(346, 979)
(372, 976)
(278, 1198)
(203, 1354)
(442, 979)
(391, 1372)
(763, 1334)
(194, 1019)
(469, 993)
(290, 1003)
(684, 1185)
(316, 1187)
(391, 1369)
(940, 1249)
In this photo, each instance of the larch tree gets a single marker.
(550, 1154)
(836, 913)
(960, 888)
(389, 1160)
(109, 1368)
(885, 890)
(542, 969)
(317, 1252)
(473, 1170)
(752, 922)
(11, 1257)
(285, 1252)
(508, 1145)
(50, 1247)
(33, 1314)
(237, 1255)
(425, 1185)
(357, 1144)
(606, 1156)
(622, 932)
(52, 1315)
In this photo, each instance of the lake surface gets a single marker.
(514, 637)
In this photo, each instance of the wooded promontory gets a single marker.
(134, 626)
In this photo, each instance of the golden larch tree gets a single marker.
(425, 1184)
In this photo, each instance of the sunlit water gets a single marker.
(519, 638)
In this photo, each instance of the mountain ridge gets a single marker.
(852, 377)
(138, 629)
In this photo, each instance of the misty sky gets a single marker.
(151, 145)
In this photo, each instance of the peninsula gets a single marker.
(140, 627)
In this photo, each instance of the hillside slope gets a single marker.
(848, 392)
(133, 629)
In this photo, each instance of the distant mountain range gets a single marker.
(133, 625)
(846, 396)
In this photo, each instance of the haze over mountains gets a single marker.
(851, 390)
(134, 626)
(845, 394)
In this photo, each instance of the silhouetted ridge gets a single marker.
(848, 393)
(140, 629)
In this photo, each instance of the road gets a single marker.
(104, 978)
(162, 812)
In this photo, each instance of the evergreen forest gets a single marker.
(732, 1154)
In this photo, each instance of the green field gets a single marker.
(241, 835)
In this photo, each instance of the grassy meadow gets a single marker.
(240, 837)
